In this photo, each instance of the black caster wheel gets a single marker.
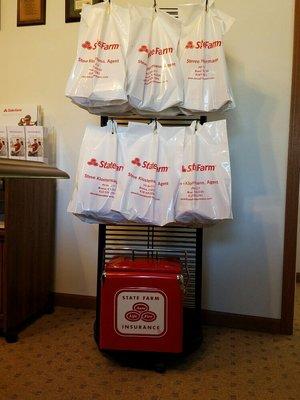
(49, 309)
(160, 368)
(11, 337)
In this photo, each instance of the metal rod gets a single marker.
(112, 125)
(100, 270)
(198, 277)
(180, 120)
(145, 249)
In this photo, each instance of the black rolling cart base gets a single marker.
(159, 362)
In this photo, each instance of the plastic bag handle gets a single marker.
(114, 129)
(155, 125)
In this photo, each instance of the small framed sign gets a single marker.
(31, 12)
(74, 7)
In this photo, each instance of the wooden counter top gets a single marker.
(29, 169)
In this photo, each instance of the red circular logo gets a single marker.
(87, 45)
(136, 161)
(132, 316)
(189, 45)
(141, 307)
(144, 48)
(148, 316)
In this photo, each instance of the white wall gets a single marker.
(243, 259)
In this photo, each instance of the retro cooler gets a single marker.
(142, 305)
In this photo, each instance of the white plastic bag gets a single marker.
(100, 166)
(202, 58)
(98, 77)
(152, 172)
(204, 194)
(154, 74)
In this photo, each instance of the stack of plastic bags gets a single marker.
(154, 175)
(154, 75)
(202, 58)
(98, 78)
(142, 59)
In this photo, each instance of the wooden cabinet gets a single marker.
(26, 246)
(1, 274)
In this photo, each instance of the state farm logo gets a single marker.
(156, 51)
(198, 167)
(144, 48)
(203, 44)
(105, 164)
(189, 45)
(140, 311)
(149, 165)
(137, 162)
(12, 110)
(100, 44)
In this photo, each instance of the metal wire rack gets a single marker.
(114, 238)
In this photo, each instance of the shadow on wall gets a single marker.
(76, 261)
(248, 248)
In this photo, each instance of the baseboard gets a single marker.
(213, 318)
(75, 301)
(237, 321)
(298, 277)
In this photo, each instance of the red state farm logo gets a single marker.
(203, 44)
(136, 161)
(198, 167)
(87, 45)
(93, 162)
(156, 51)
(12, 110)
(102, 45)
(140, 311)
(105, 164)
(149, 165)
(144, 49)
(189, 45)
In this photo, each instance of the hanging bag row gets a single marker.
(142, 59)
(154, 175)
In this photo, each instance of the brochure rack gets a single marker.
(114, 239)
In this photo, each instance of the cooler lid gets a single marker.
(163, 265)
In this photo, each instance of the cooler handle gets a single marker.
(156, 251)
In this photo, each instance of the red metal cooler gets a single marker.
(142, 305)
